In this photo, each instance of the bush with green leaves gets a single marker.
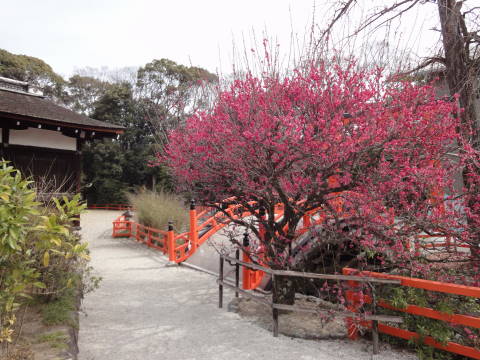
(17, 271)
(40, 254)
(60, 257)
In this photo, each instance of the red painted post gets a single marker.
(149, 238)
(306, 221)
(246, 285)
(193, 227)
(129, 223)
(254, 277)
(171, 242)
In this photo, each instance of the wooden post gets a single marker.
(129, 226)
(351, 302)
(417, 246)
(274, 311)
(193, 227)
(376, 349)
(237, 272)
(171, 242)
(220, 285)
(137, 232)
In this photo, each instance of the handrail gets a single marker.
(309, 275)
(276, 306)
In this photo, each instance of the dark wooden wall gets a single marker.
(59, 170)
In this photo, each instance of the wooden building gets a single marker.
(43, 139)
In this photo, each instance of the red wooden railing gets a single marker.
(354, 299)
(180, 246)
(110, 206)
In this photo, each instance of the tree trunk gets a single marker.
(460, 74)
(461, 77)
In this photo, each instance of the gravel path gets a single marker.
(146, 310)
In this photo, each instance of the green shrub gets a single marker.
(441, 331)
(156, 209)
(60, 256)
(17, 274)
(40, 254)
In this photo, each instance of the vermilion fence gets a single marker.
(354, 299)
(204, 222)
(110, 206)
(180, 246)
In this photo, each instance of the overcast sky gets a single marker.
(118, 33)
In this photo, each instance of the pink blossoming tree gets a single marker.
(376, 160)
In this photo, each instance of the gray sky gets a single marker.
(117, 33)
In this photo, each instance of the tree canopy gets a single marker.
(370, 156)
(148, 102)
(32, 70)
(170, 92)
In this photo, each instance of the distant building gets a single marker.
(43, 139)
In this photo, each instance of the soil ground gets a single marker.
(38, 341)
(294, 324)
(147, 309)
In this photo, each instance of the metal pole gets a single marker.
(376, 349)
(237, 272)
(220, 285)
(246, 271)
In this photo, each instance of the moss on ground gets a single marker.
(56, 339)
(59, 311)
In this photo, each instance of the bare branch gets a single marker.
(378, 15)
(426, 63)
(341, 12)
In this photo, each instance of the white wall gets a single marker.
(42, 138)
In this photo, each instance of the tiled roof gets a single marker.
(38, 108)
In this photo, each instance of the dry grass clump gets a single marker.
(156, 209)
